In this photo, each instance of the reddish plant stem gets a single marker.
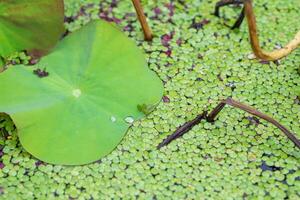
(213, 114)
(142, 18)
(253, 32)
(259, 53)
(254, 112)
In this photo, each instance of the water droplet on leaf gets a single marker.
(129, 120)
(76, 93)
(113, 119)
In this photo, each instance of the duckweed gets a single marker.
(200, 61)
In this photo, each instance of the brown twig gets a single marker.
(254, 112)
(182, 130)
(213, 114)
(142, 18)
(259, 53)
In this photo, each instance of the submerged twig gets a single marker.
(183, 129)
(142, 18)
(211, 117)
(269, 56)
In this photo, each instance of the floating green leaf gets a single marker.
(32, 25)
(77, 114)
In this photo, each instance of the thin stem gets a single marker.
(142, 18)
(182, 130)
(211, 117)
(254, 112)
(222, 3)
(269, 56)
(240, 20)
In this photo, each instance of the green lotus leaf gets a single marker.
(32, 25)
(79, 113)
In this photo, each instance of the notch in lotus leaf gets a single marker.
(77, 114)
(31, 25)
(146, 109)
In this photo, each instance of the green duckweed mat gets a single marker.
(200, 61)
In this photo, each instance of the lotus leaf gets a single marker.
(32, 25)
(78, 112)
